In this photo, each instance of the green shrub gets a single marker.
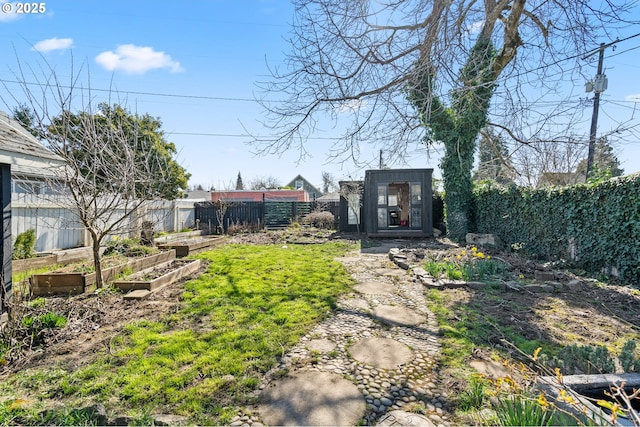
(586, 359)
(627, 358)
(25, 245)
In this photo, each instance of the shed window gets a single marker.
(27, 187)
(382, 195)
(353, 201)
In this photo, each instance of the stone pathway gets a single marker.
(372, 360)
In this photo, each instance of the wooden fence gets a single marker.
(258, 214)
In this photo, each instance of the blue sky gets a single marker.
(211, 54)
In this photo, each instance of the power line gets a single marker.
(241, 135)
(130, 92)
(235, 99)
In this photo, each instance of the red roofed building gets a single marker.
(260, 195)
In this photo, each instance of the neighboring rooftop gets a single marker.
(26, 155)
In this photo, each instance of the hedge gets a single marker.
(595, 227)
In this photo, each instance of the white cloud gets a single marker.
(633, 98)
(136, 60)
(46, 46)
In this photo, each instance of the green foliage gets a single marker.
(521, 411)
(605, 163)
(627, 358)
(127, 247)
(468, 265)
(594, 359)
(586, 359)
(70, 417)
(17, 412)
(598, 223)
(24, 114)
(457, 128)
(116, 135)
(44, 321)
(474, 396)
(25, 245)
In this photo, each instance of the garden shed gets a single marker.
(392, 203)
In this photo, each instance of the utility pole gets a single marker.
(599, 85)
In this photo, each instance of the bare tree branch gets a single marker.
(351, 62)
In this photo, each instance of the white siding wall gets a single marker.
(58, 227)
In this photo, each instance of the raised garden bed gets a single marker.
(161, 275)
(587, 389)
(20, 265)
(186, 247)
(73, 283)
(175, 237)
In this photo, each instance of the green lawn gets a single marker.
(206, 360)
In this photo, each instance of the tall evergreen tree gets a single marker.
(239, 183)
(605, 162)
(24, 115)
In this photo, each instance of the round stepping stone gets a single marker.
(384, 353)
(312, 398)
(374, 288)
(358, 303)
(321, 345)
(403, 418)
(398, 315)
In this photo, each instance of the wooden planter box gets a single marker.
(19, 265)
(137, 282)
(63, 257)
(185, 247)
(175, 237)
(76, 283)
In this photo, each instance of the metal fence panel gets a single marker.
(58, 227)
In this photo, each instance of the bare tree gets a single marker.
(328, 182)
(264, 183)
(548, 163)
(352, 65)
(111, 169)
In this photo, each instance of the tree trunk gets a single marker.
(458, 198)
(97, 264)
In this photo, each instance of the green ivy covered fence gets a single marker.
(594, 226)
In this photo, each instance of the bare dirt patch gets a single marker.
(94, 320)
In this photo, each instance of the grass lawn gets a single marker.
(205, 360)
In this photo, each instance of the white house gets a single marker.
(32, 165)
